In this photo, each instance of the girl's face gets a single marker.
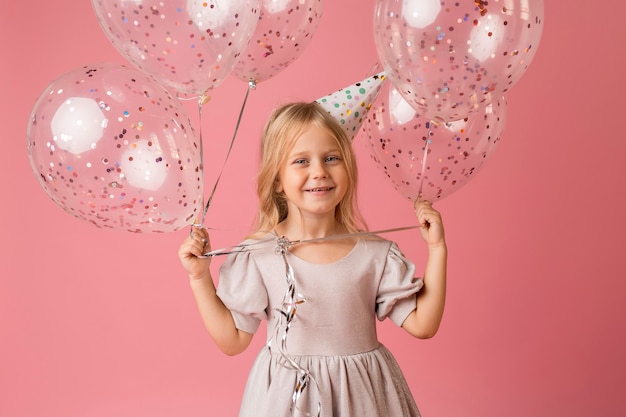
(313, 176)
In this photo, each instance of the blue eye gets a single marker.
(333, 158)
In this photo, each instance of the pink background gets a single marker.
(100, 323)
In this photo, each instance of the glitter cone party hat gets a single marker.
(350, 104)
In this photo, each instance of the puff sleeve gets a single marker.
(242, 291)
(397, 290)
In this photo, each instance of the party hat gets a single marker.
(350, 104)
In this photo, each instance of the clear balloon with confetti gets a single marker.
(424, 160)
(113, 148)
(450, 59)
(189, 46)
(284, 30)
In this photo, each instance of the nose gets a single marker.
(318, 170)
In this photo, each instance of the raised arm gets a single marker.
(216, 317)
(424, 321)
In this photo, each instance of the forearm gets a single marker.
(426, 318)
(217, 318)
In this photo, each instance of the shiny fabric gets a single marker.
(333, 335)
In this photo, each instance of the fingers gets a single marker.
(200, 235)
(196, 244)
(431, 222)
(425, 212)
(422, 204)
(191, 250)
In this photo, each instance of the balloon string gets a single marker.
(287, 312)
(201, 101)
(251, 86)
(247, 246)
(424, 160)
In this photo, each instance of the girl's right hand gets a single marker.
(195, 245)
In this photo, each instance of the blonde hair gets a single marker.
(281, 131)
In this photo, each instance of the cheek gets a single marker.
(342, 176)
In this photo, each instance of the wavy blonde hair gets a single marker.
(281, 131)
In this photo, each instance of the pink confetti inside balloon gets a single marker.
(428, 160)
(189, 46)
(112, 147)
(284, 30)
(450, 59)
(350, 104)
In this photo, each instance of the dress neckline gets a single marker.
(342, 259)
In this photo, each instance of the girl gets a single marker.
(326, 360)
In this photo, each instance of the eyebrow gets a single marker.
(330, 151)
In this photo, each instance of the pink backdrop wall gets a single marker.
(99, 323)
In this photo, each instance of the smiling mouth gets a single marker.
(313, 190)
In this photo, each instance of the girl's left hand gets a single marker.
(430, 222)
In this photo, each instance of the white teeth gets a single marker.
(319, 189)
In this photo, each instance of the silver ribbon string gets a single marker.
(289, 307)
(274, 239)
(424, 160)
(203, 100)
